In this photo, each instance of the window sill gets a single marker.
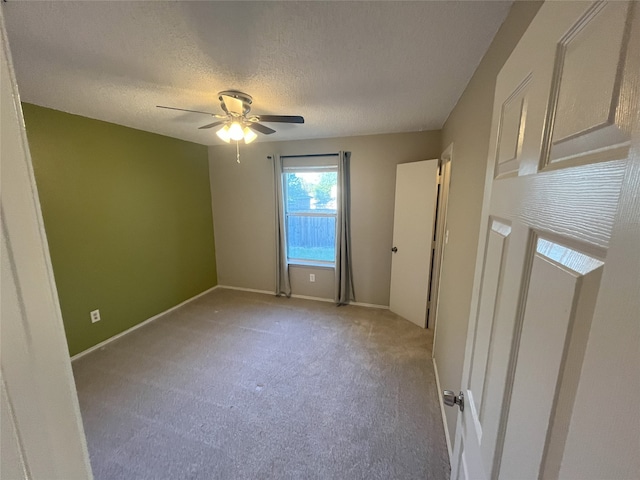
(310, 263)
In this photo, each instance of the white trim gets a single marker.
(444, 416)
(139, 325)
(311, 264)
(242, 289)
(446, 156)
(229, 287)
(317, 299)
(306, 297)
(42, 427)
(370, 305)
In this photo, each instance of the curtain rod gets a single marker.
(309, 155)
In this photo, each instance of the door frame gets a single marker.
(42, 432)
(440, 228)
(441, 237)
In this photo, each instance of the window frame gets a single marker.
(285, 191)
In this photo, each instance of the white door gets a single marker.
(41, 429)
(553, 334)
(416, 191)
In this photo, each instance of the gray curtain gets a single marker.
(283, 285)
(344, 278)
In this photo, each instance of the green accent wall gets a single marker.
(128, 220)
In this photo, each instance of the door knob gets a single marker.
(451, 399)
(394, 249)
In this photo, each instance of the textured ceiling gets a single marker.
(350, 68)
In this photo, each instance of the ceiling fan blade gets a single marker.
(261, 128)
(210, 125)
(185, 110)
(281, 118)
(233, 105)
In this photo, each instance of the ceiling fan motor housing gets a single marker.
(245, 98)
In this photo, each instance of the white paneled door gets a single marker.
(553, 334)
(413, 226)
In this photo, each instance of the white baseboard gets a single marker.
(242, 289)
(370, 305)
(229, 287)
(331, 300)
(317, 299)
(139, 325)
(267, 292)
(305, 297)
(444, 416)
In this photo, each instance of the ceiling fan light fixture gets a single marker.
(249, 135)
(223, 133)
(235, 123)
(235, 131)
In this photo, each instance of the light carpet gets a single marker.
(238, 385)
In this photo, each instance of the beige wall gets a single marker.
(244, 210)
(468, 127)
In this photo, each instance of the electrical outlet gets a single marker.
(312, 277)
(95, 316)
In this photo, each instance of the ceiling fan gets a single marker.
(236, 122)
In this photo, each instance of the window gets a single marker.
(310, 202)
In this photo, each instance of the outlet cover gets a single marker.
(312, 277)
(95, 316)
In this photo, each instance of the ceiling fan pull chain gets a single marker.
(237, 151)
